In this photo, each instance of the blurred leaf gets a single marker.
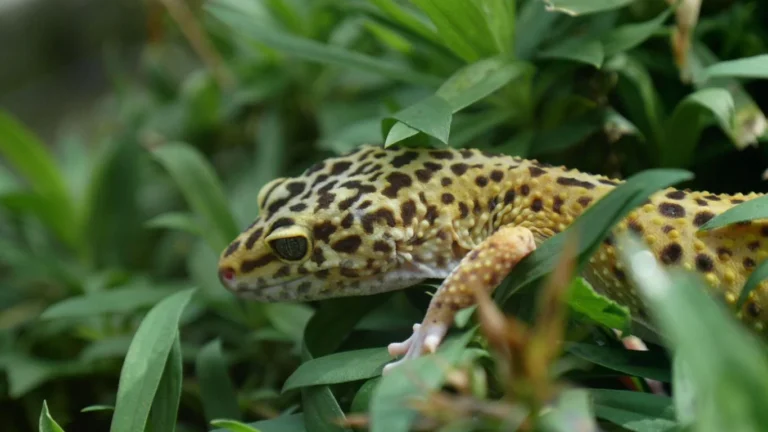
(409, 20)
(47, 423)
(684, 396)
(95, 408)
(585, 301)
(362, 398)
(26, 373)
(759, 274)
(232, 14)
(635, 411)
(461, 26)
(339, 367)
(533, 26)
(431, 115)
(176, 221)
(113, 347)
(478, 80)
(233, 426)
(201, 101)
(289, 318)
(748, 67)
(584, 50)
(30, 158)
(572, 412)
(118, 300)
(202, 189)
(583, 7)
(591, 227)
(144, 364)
(216, 389)
(389, 408)
(388, 37)
(753, 209)
(628, 36)
(644, 364)
(568, 133)
(165, 405)
(500, 19)
(284, 423)
(690, 117)
(726, 363)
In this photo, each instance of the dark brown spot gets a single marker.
(667, 228)
(327, 187)
(322, 274)
(423, 198)
(433, 166)
(361, 169)
(404, 159)
(473, 255)
(408, 211)
(459, 168)
(348, 220)
(753, 309)
(321, 178)
(619, 273)
(397, 181)
(557, 203)
(535, 171)
(304, 287)
(250, 265)
(323, 231)
(509, 197)
(701, 202)
(753, 246)
(466, 153)
(371, 218)
(537, 205)
(704, 263)
(584, 201)
(764, 230)
(340, 167)
(442, 235)
(447, 198)
(365, 204)
(749, 263)
(497, 175)
(712, 197)
(441, 154)
(298, 207)
(423, 175)
(324, 201)
(282, 271)
(677, 195)
(349, 272)
(464, 210)
(568, 181)
(232, 248)
(348, 244)
(671, 210)
(608, 240)
(492, 203)
(481, 181)
(671, 253)
(253, 238)
(477, 208)
(702, 217)
(382, 246)
(608, 182)
(375, 176)
(525, 189)
(724, 251)
(635, 227)
(737, 201)
(280, 223)
(315, 168)
(317, 256)
(431, 214)
(445, 181)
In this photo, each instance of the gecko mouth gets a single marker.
(260, 290)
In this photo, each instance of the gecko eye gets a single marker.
(290, 248)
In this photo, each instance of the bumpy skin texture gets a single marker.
(383, 219)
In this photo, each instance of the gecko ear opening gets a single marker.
(267, 190)
(290, 244)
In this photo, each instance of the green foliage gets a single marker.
(112, 313)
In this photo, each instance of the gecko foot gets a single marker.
(425, 339)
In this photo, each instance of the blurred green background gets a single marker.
(135, 136)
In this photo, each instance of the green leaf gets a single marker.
(573, 407)
(628, 36)
(756, 208)
(289, 318)
(389, 408)
(26, 373)
(339, 367)
(95, 408)
(642, 364)
(30, 159)
(635, 411)
(534, 24)
(584, 50)
(690, 117)
(176, 221)
(462, 26)
(585, 301)
(500, 19)
(758, 275)
(216, 389)
(748, 67)
(725, 362)
(478, 80)
(47, 423)
(591, 227)
(144, 364)
(584, 7)
(165, 405)
(232, 13)
(202, 189)
(431, 115)
(284, 423)
(400, 14)
(119, 300)
(234, 426)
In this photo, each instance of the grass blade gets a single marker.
(144, 364)
(165, 405)
(114, 301)
(628, 36)
(47, 423)
(748, 67)
(216, 388)
(584, 7)
(202, 189)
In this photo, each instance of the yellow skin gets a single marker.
(379, 219)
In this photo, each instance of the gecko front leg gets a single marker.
(481, 269)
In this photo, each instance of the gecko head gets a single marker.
(311, 240)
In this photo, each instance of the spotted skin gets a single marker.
(379, 219)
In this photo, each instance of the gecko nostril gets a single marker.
(226, 274)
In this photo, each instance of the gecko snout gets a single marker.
(227, 276)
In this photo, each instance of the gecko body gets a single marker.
(378, 219)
